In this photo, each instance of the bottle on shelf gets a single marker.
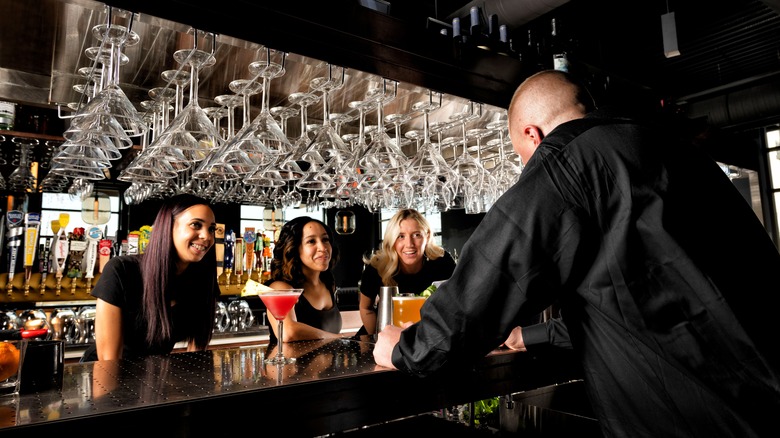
(531, 53)
(504, 46)
(477, 31)
(458, 39)
(493, 28)
(560, 58)
(7, 115)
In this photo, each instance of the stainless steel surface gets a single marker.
(108, 386)
(332, 387)
(728, 71)
(724, 49)
(45, 66)
(384, 312)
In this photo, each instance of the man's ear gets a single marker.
(534, 133)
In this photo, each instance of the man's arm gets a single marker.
(552, 332)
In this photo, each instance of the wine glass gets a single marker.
(279, 303)
(22, 179)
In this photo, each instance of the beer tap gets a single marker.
(94, 234)
(32, 224)
(78, 245)
(230, 238)
(14, 219)
(61, 247)
(45, 251)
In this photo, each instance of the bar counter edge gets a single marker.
(340, 401)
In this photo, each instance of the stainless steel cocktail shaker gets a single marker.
(384, 312)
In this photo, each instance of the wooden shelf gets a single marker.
(11, 134)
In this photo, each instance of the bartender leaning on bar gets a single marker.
(623, 223)
(146, 303)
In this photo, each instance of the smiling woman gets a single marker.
(172, 284)
(408, 258)
(304, 257)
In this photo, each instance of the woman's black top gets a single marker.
(121, 284)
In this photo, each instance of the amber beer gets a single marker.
(406, 308)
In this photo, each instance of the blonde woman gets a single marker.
(408, 258)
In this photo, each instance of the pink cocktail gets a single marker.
(279, 303)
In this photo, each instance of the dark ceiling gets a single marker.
(728, 73)
(725, 47)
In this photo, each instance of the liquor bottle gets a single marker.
(530, 54)
(457, 39)
(494, 28)
(478, 34)
(504, 47)
(560, 58)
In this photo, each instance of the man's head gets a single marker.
(542, 102)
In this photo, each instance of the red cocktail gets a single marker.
(279, 303)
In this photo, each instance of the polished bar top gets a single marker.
(334, 385)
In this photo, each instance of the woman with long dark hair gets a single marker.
(147, 303)
(304, 257)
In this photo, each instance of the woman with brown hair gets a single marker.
(147, 303)
(304, 257)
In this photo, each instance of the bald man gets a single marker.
(622, 224)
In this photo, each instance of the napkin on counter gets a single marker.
(253, 288)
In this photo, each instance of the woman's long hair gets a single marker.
(287, 265)
(386, 259)
(158, 269)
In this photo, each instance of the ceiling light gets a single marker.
(669, 29)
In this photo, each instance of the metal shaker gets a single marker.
(384, 311)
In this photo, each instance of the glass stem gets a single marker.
(280, 325)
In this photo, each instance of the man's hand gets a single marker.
(386, 341)
(515, 340)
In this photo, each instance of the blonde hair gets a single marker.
(385, 260)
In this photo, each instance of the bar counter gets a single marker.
(334, 386)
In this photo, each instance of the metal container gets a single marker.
(384, 311)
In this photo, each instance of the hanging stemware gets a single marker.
(191, 131)
(505, 172)
(22, 179)
(180, 79)
(330, 159)
(111, 99)
(230, 102)
(383, 156)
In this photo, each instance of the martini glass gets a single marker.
(111, 99)
(279, 303)
(230, 102)
(180, 78)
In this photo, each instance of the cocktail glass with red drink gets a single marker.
(279, 303)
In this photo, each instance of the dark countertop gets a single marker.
(334, 385)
